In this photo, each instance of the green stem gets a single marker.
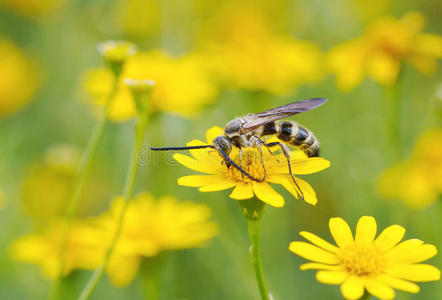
(254, 226)
(150, 272)
(366, 296)
(127, 195)
(394, 123)
(81, 177)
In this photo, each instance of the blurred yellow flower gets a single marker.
(182, 85)
(19, 78)
(150, 226)
(417, 181)
(48, 183)
(221, 177)
(33, 8)
(379, 52)
(84, 249)
(246, 54)
(377, 265)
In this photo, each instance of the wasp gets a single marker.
(252, 129)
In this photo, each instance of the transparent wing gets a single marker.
(281, 112)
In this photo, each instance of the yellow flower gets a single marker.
(417, 181)
(245, 54)
(150, 226)
(380, 51)
(377, 265)
(48, 183)
(182, 85)
(221, 177)
(19, 78)
(84, 250)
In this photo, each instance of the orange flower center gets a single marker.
(361, 260)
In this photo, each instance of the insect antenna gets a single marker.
(226, 157)
(182, 148)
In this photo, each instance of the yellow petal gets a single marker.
(213, 133)
(304, 166)
(307, 190)
(347, 61)
(267, 194)
(341, 232)
(242, 191)
(318, 241)
(365, 230)
(377, 288)
(287, 182)
(397, 252)
(310, 165)
(415, 254)
(199, 180)
(425, 64)
(399, 284)
(352, 288)
(417, 272)
(198, 154)
(319, 266)
(429, 44)
(389, 237)
(123, 276)
(194, 164)
(313, 253)
(332, 277)
(218, 186)
(383, 68)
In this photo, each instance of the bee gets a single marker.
(252, 129)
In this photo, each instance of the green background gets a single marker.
(352, 128)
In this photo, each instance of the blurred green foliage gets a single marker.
(353, 128)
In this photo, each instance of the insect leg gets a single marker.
(230, 161)
(287, 156)
(262, 161)
(240, 156)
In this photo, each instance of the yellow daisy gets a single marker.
(276, 171)
(182, 85)
(246, 53)
(377, 265)
(20, 78)
(380, 51)
(150, 227)
(418, 180)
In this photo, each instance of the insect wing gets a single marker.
(294, 108)
(281, 112)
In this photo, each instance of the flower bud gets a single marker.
(115, 53)
(141, 90)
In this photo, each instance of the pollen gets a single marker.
(252, 164)
(361, 260)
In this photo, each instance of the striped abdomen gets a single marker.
(291, 133)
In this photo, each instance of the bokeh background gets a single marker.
(251, 56)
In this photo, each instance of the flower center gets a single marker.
(252, 164)
(361, 260)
